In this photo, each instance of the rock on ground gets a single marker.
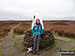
(47, 38)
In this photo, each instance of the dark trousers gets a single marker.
(36, 40)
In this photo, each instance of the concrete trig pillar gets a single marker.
(36, 15)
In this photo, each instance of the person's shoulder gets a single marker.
(40, 24)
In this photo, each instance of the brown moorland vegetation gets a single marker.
(60, 27)
(5, 27)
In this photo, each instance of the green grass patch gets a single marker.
(56, 35)
(18, 34)
(73, 49)
(0, 51)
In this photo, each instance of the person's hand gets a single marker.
(33, 35)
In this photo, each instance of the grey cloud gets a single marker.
(23, 9)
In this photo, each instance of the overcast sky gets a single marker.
(49, 9)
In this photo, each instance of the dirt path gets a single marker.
(13, 46)
(8, 46)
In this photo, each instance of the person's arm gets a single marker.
(41, 30)
(33, 30)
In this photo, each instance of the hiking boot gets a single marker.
(34, 53)
(38, 53)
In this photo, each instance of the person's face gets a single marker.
(38, 21)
